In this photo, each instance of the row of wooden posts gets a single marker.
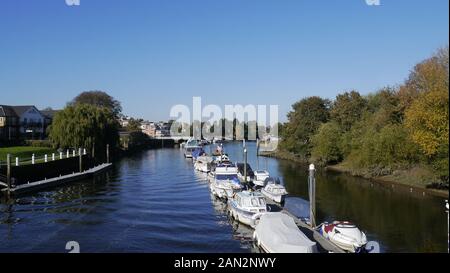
(81, 152)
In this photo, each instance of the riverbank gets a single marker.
(412, 179)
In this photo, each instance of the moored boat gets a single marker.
(274, 192)
(277, 232)
(246, 207)
(345, 235)
(190, 146)
(224, 180)
(203, 163)
(259, 178)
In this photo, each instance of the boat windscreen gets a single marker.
(226, 177)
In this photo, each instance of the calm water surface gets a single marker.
(155, 202)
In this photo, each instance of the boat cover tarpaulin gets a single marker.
(278, 233)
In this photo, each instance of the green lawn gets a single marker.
(24, 152)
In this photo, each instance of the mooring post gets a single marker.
(448, 236)
(8, 171)
(257, 153)
(81, 160)
(245, 165)
(312, 195)
(243, 149)
(107, 153)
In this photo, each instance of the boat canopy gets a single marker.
(278, 233)
(198, 152)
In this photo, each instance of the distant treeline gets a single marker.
(393, 128)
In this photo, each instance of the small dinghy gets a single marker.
(274, 192)
(345, 235)
(277, 233)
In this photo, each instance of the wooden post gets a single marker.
(46, 158)
(107, 153)
(67, 156)
(60, 155)
(81, 160)
(53, 156)
(312, 195)
(32, 159)
(8, 171)
(74, 153)
(17, 161)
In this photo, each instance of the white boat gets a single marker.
(224, 180)
(203, 164)
(246, 207)
(190, 146)
(277, 232)
(275, 192)
(260, 177)
(345, 235)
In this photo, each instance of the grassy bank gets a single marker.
(417, 177)
(24, 152)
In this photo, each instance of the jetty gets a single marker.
(56, 181)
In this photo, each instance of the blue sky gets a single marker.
(152, 54)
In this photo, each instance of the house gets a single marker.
(9, 124)
(22, 122)
(149, 128)
(124, 121)
(31, 122)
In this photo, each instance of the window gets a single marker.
(262, 201)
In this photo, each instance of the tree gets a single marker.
(307, 115)
(133, 125)
(326, 144)
(427, 116)
(85, 126)
(347, 109)
(99, 99)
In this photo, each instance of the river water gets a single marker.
(154, 201)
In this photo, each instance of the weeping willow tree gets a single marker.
(85, 126)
